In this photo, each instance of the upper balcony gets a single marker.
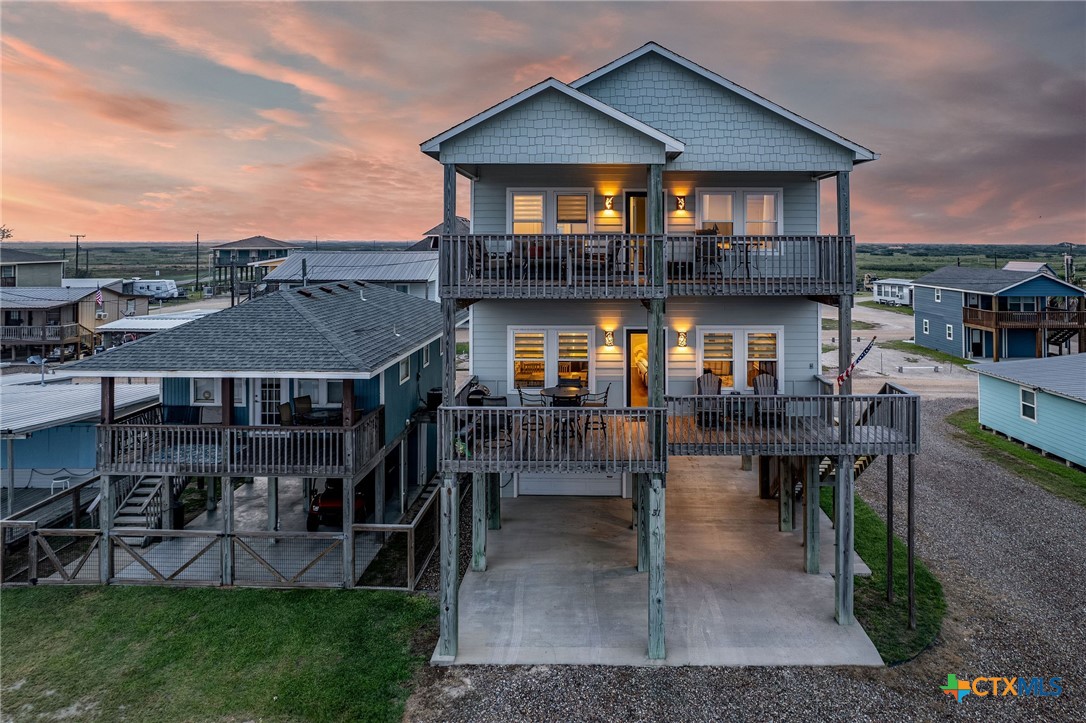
(141, 445)
(1050, 319)
(629, 266)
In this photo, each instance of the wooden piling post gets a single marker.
(811, 519)
(843, 532)
(479, 485)
(450, 563)
(494, 501)
(910, 502)
(657, 565)
(348, 529)
(642, 522)
(105, 524)
(227, 530)
(785, 512)
(890, 528)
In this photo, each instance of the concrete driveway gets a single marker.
(561, 585)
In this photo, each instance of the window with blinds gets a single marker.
(529, 359)
(761, 214)
(761, 355)
(528, 213)
(718, 356)
(573, 355)
(571, 213)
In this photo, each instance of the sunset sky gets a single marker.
(158, 120)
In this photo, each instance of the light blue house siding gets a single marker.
(73, 446)
(799, 202)
(938, 314)
(551, 127)
(721, 129)
(1060, 426)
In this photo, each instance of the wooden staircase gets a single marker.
(143, 507)
(1061, 336)
(828, 466)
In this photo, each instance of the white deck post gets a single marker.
(450, 568)
(657, 564)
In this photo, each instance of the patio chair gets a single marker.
(596, 419)
(303, 405)
(573, 382)
(489, 264)
(494, 429)
(767, 411)
(534, 422)
(286, 416)
(595, 263)
(707, 411)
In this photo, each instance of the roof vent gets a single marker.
(344, 287)
(306, 294)
(326, 290)
(362, 294)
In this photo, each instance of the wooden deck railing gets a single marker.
(627, 266)
(57, 333)
(206, 449)
(795, 425)
(1048, 319)
(551, 439)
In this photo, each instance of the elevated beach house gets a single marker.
(1019, 311)
(644, 271)
(301, 415)
(235, 259)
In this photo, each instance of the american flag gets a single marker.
(98, 297)
(848, 372)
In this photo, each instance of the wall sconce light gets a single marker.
(682, 339)
(608, 338)
(609, 203)
(680, 203)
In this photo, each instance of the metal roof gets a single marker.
(156, 322)
(40, 297)
(28, 408)
(15, 256)
(256, 242)
(892, 281)
(1033, 266)
(90, 283)
(52, 376)
(380, 266)
(1064, 376)
(983, 281)
(333, 331)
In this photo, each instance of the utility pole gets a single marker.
(233, 283)
(197, 285)
(316, 244)
(77, 236)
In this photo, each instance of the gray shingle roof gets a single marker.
(256, 242)
(1062, 375)
(383, 266)
(15, 256)
(327, 330)
(984, 281)
(41, 297)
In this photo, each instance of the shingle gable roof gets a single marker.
(15, 256)
(256, 242)
(982, 281)
(326, 330)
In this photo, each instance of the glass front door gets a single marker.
(638, 370)
(270, 394)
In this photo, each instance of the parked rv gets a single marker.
(157, 288)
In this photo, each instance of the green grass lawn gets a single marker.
(160, 654)
(826, 348)
(907, 310)
(830, 324)
(887, 624)
(1053, 476)
(924, 352)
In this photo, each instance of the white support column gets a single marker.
(450, 572)
(657, 564)
(479, 484)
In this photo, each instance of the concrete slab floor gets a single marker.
(561, 585)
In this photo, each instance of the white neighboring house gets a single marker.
(895, 292)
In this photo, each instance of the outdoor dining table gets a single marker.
(565, 396)
(320, 418)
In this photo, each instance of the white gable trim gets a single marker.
(1041, 275)
(861, 154)
(672, 145)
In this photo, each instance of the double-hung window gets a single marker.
(321, 392)
(1028, 399)
(1021, 303)
(540, 356)
(564, 211)
(949, 332)
(739, 354)
(938, 295)
(206, 392)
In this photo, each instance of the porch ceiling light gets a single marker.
(680, 203)
(609, 203)
(608, 338)
(682, 339)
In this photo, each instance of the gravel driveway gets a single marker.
(1010, 557)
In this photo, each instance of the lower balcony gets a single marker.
(50, 334)
(1050, 319)
(132, 447)
(579, 439)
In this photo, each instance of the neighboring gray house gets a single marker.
(593, 203)
(977, 313)
(411, 272)
(241, 255)
(430, 239)
(1038, 402)
(22, 268)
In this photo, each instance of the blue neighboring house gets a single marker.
(998, 314)
(1039, 402)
